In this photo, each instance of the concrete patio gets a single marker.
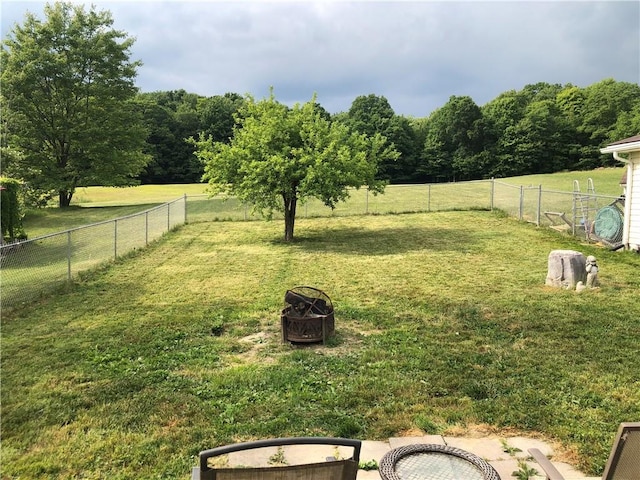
(491, 449)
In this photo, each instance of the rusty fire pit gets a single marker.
(307, 316)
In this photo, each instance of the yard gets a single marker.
(443, 324)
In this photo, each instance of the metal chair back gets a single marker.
(331, 469)
(624, 460)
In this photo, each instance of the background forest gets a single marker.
(543, 128)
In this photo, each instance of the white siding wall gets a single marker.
(633, 197)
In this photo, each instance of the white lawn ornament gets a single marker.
(592, 272)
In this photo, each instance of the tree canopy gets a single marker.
(67, 91)
(372, 114)
(279, 156)
(73, 117)
(541, 128)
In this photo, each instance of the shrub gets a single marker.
(11, 209)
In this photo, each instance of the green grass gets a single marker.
(41, 265)
(443, 323)
(606, 181)
(96, 204)
(53, 220)
(110, 196)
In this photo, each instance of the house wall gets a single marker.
(632, 211)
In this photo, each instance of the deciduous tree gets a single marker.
(371, 114)
(280, 156)
(68, 85)
(605, 103)
(217, 115)
(454, 141)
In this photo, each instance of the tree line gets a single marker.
(73, 117)
(543, 128)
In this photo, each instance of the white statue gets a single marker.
(592, 272)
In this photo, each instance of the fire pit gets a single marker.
(307, 316)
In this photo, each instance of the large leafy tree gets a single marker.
(501, 115)
(401, 134)
(627, 125)
(540, 139)
(172, 117)
(454, 141)
(217, 115)
(371, 114)
(604, 104)
(279, 156)
(67, 88)
(172, 159)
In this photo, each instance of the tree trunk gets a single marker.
(289, 216)
(64, 198)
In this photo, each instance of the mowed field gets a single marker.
(606, 182)
(95, 204)
(443, 325)
(141, 194)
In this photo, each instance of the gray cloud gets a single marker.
(416, 54)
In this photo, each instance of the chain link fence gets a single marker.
(588, 215)
(396, 199)
(33, 267)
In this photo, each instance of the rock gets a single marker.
(565, 269)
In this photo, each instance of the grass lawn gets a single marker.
(111, 196)
(606, 181)
(53, 220)
(96, 204)
(443, 323)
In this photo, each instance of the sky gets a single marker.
(415, 54)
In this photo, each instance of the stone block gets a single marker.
(566, 268)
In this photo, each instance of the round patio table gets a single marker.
(434, 462)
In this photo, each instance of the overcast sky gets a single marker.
(416, 54)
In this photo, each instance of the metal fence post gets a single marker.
(185, 208)
(115, 239)
(574, 214)
(366, 205)
(493, 192)
(168, 217)
(69, 255)
(520, 214)
(539, 205)
(146, 228)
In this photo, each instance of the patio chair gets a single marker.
(329, 469)
(624, 459)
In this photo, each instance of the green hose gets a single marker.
(609, 224)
